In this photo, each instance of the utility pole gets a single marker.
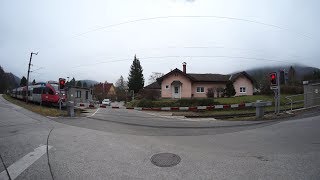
(27, 92)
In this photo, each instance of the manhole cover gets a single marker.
(165, 159)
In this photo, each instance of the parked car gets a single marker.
(106, 102)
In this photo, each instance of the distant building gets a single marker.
(79, 94)
(104, 91)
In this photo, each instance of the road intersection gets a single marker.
(99, 147)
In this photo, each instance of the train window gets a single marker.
(51, 91)
(46, 90)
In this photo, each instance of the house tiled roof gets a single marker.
(207, 77)
(210, 77)
(105, 87)
(154, 85)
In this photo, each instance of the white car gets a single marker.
(106, 102)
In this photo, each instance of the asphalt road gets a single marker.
(86, 148)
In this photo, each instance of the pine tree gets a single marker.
(135, 79)
(23, 81)
(72, 82)
(34, 82)
(3, 80)
(291, 75)
(229, 90)
(79, 84)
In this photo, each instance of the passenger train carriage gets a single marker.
(47, 93)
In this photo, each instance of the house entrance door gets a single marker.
(176, 92)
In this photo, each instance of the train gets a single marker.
(42, 93)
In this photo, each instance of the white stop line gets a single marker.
(22, 164)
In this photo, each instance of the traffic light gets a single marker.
(273, 79)
(62, 83)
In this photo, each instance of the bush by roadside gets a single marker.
(171, 103)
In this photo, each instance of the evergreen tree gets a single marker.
(135, 79)
(229, 90)
(316, 75)
(3, 80)
(291, 76)
(84, 84)
(23, 81)
(79, 84)
(34, 82)
(72, 82)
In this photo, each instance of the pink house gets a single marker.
(180, 84)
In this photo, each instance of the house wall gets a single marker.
(72, 95)
(112, 91)
(206, 87)
(185, 88)
(243, 81)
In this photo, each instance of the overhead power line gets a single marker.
(191, 56)
(172, 17)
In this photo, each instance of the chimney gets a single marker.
(184, 65)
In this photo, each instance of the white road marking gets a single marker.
(22, 164)
(94, 112)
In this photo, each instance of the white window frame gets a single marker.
(78, 94)
(243, 89)
(201, 89)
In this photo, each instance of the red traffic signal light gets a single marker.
(273, 79)
(62, 83)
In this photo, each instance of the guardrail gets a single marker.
(306, 100)
(291, 100)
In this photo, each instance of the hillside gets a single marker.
(8, 81)
(89, 82)
(301, 72)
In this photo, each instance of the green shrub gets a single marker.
(145, 103)
(286, 89)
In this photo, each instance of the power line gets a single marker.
(171, 17)
(191, 56)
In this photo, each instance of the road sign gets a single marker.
(273, 87)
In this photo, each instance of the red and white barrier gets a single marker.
(192, 108)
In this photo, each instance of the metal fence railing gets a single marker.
(309, 99)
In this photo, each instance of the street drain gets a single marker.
(165, 159)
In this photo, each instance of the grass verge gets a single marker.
(43, 110)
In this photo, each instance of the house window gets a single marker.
(167, 86)
(242, 89)
(78, 94)
(200, 89)
(87, 94)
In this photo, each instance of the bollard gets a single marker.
(70, 108)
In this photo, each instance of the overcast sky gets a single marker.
(98, 39)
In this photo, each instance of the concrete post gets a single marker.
(259, 108)
(70, 108)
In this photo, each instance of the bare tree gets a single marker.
(154, 76)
